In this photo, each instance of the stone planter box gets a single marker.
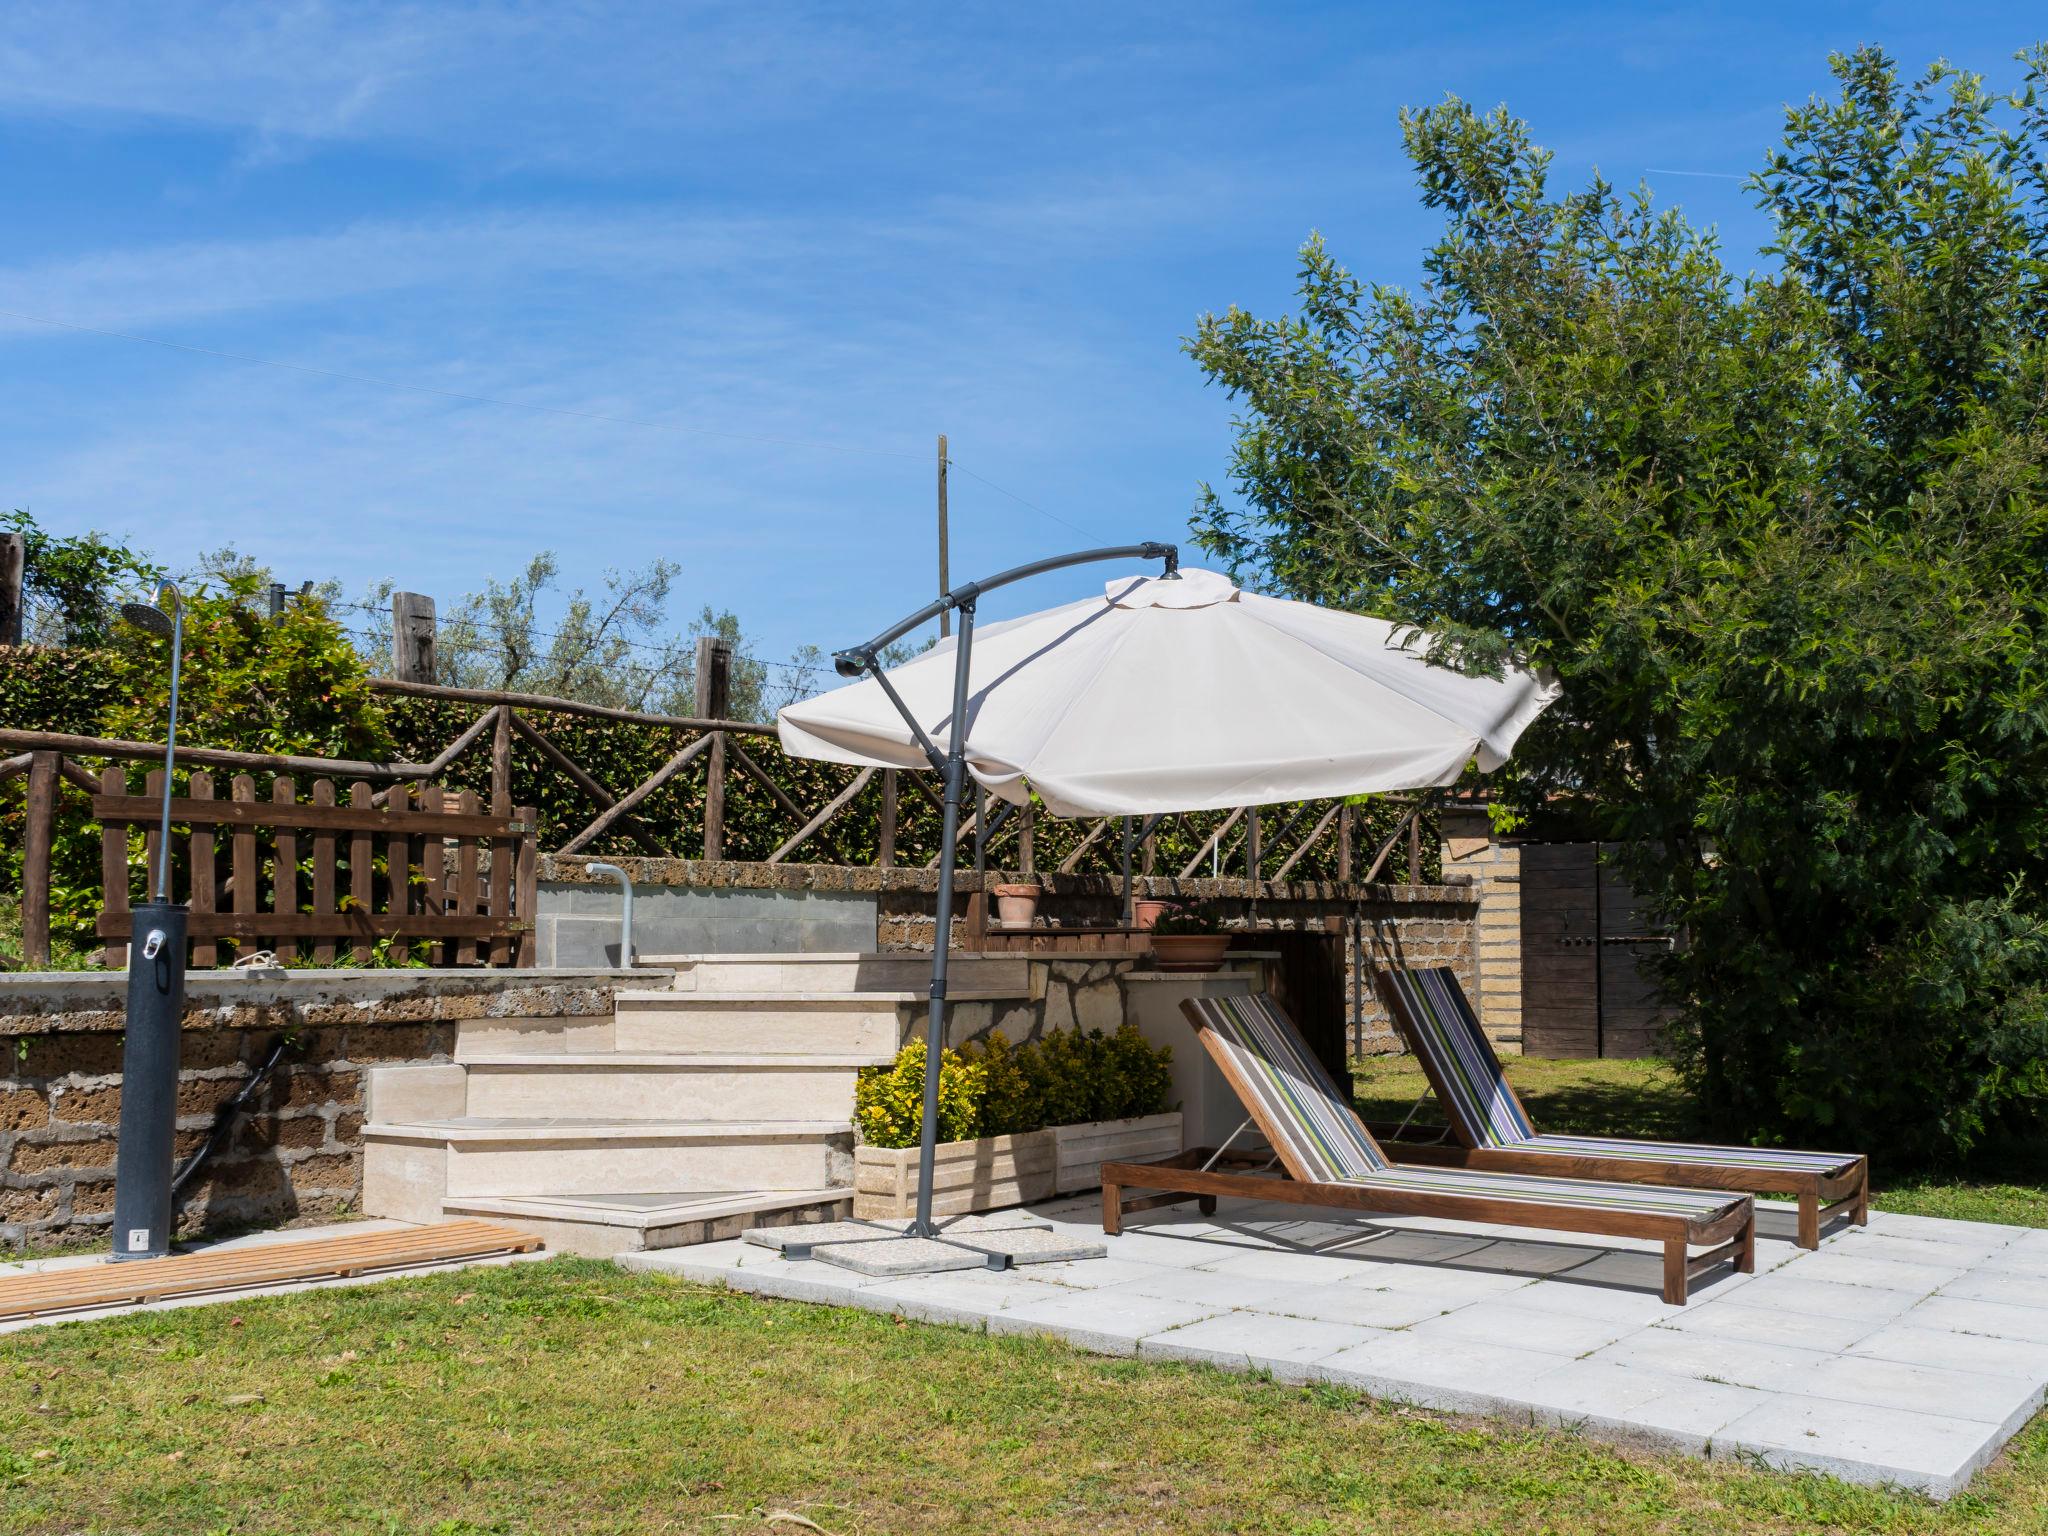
(1079, 1151)
(981, 1175)
(997, 1171)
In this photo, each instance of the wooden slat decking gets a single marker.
(231, 1268)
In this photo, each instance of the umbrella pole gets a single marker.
(942, 931)
(864, 659)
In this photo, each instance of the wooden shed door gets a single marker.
(1584, 989)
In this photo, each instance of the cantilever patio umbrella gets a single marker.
(1176, 692)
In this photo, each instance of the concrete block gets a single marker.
(1106, 1322)
(1993, 1318)
(1767, 1367)
(1502, 1322)
(1255, 1341)
(2005, 1286)
(893, 1256)
(1730, 1319)
(1455, 1375)
(1842, 1265)
(1635, 1406)
(1929, 1389)
(1358, 1305)
(1865, 1444)
(1955, 1351)
(1791, 1292)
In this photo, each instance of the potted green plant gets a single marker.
(1189, 939)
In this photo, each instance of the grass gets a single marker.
(1643, 1098)
(63, 955)
(570, 1397)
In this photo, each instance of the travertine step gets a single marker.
(417, 1165)
(768, 1023)
(603, 1224)
(842, 971)
(650, 1085)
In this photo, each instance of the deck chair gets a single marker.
(1330, 1159)
(1493, 1130)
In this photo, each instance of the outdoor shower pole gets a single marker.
(145, 1145)
(952, 765)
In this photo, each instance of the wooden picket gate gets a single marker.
(424, 866)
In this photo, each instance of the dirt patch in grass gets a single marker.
(569, 1397)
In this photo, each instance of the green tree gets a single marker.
(71, 583)
(1783, 538)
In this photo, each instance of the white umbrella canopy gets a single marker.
(1183, 694)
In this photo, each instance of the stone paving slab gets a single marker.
(1034, 1245)
(1904, 1352)
(894, 1256)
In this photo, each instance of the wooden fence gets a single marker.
(424, 868)
(470, 918)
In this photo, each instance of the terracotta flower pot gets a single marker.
(1146, 913)
(1016, 905)
(1189, 951)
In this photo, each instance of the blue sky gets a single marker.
(854, 225)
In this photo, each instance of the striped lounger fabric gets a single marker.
(1320, 1139)
(1484, 1111)
(1430, 1009)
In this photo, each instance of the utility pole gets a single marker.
(945, 585)
(714, 702)
(14, 562)
(412, 637)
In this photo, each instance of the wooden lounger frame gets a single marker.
(1823, 1198)
(1729, 1235)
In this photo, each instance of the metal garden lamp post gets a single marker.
(156, 1002)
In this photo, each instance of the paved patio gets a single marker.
(1905, 1352)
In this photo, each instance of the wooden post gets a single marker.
(35, 865)
(886, 855)
(1253, 852)
(13, 562)
(200, 850)
(114, 867)
(1027, 853)
(501, 764)
(242, 868)
(362, 892)
(526, 885)
(945, 582)
(1415, 845)
(714, 699)
(412, 637)
(284, 868)
(1344, 842)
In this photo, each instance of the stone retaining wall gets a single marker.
(298, 1152)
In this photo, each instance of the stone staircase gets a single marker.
(719, 1097)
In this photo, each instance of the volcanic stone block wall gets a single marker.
(296, 1154)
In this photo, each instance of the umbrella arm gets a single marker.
(952, 763)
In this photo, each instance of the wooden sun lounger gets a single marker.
(1494, 1131)
(1331, 1160)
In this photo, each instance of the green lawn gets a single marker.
(570, 1397)
(1642, 1098)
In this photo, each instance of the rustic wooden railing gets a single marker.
(425, 867)
(482, 925)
